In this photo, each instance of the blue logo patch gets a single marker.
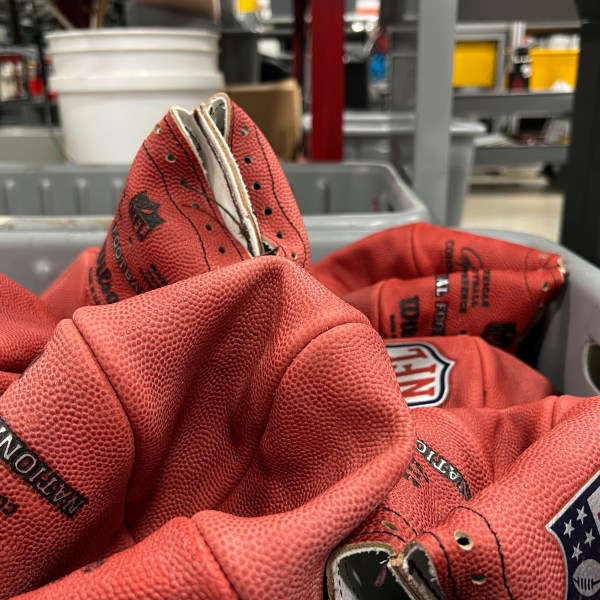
(577, 529)
(422, 373)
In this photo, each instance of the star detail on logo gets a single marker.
(576, 552)
(589, 538)
(569, 529)
(581, 515)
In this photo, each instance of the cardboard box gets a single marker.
(277, 110)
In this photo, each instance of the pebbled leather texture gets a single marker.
(509, 521)
(68, 292)
(249, 398)
(490, 409)
(420, 280)
(169, 225)
(461, 454)
(27, 324)
(172, 563)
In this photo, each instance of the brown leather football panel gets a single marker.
(173, 563)
(65, 460)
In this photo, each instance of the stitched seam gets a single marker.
(231, 142)
(403, 518)
(377, 531)
(118, 397)
(502, 563)
(452, 581)
(176, 205)
(210, 204)
(277, 198)
(223, 170)
(281, 248)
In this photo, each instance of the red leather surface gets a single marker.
(167, 226)
(27, 324)
(6, 379)
(512, 548)
(507, 521)
(69, 291)
(461, 454)
(249, 395)
(419, 280)
(174, 562)
(274, 204)
(479, 375)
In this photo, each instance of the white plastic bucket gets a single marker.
(106, 119)
(121, 52)
(142, 38)
(113, 85)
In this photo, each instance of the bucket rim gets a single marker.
(143, 83)
(131, 32)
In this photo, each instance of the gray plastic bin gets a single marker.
(33, 251)
(389, 137)
(331, 190)
(340, 203)
(570, 343)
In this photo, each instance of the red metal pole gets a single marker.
(327, 70)
(298, 43)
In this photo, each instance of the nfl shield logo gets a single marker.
(422, 372)
(577, 529)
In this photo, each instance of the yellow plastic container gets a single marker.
(474, 64)
(549, 65)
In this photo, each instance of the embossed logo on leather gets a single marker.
(422, 372)
(144, 216)
(500, 334)
(38, 475)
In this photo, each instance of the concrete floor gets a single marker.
(527, 205)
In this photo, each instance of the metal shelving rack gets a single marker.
(499, 102)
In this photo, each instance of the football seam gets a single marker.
(497, 540)
(203, 128)
(445, 552)
(199, 179)
(402, 517)
(164, 181)
(262, 150)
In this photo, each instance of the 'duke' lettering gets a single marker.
(39, 476)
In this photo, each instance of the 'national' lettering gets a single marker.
(39, 476)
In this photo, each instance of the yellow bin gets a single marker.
(549, 65)
(474, 64)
